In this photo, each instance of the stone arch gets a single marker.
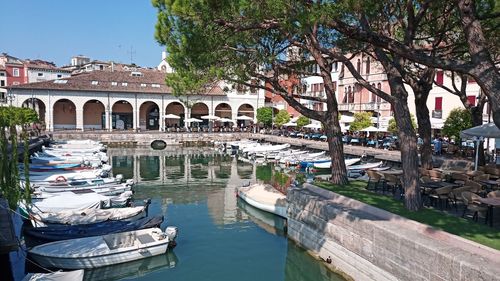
(122, 117)
(223, 110)
(38, 105)
(64, 115)
(246, 110)
(176, 108)
(94, 115)
(200, 109)
(149, 116)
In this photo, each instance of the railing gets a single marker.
(372, 106)
(438, 114)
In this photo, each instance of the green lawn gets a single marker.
(477, 232)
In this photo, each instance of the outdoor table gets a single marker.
(439, 184)
(393, 172)
(491, 202)
(490, 183)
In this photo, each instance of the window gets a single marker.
(321, 87)
(94, 82)
(471, 100)
(143, 85)
(358, 67)
(379, 86)
(368, 65)
(374, 97)
(155, 85)
(2, 83)
(439, 77)
(15, 72)
(336, 66)
(114, 83)
(438, 104)
(124, 84)
(15, 83)
(40, 74)
(136, 74)
(2, 73)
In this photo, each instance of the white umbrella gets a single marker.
(191, 120)
(313, 126)
(370, 129)
(294, 119)
(226, 120)
(244, 117)
(210, 117)
(171, 116)
(489, 130)
(346, 119)
(290, 124)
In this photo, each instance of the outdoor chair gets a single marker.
(425, 189)
(473, 204)
(455, 195)
(493, 194)
(393, 183)
(435, 175)
(374, 180)
(459, 178)
(440, 195)
(476, 187)
(423, 172)
(483, 177)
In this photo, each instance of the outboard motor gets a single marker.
(171, 232)
(119, 178)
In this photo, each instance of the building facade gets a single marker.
(128, 100)
(38, 70)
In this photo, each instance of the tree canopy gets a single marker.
(265, 116)
(281, 118)
(302, 121)
(458, 120)
(361, 120)
(393, 127)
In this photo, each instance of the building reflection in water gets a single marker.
(202, 175)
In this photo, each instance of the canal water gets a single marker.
(220, 237)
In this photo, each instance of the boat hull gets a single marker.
(273, 209)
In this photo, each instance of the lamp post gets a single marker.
(378, 115)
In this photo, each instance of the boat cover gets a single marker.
(89, 216)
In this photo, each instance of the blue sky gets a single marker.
(56, 30)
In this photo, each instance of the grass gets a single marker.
(468, 229)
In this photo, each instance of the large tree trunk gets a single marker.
(336, 149)
(477, 120)
(409, 155)
(424, 129)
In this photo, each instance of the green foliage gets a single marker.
(393, 127)
(467, 229)
(361, 120)
(282, 117)
(264, 173)
(458, 120)
(302, 121)
(10, 118)
(265, 116)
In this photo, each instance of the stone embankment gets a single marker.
(124, 138)
(368, 243)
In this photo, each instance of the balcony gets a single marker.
(438, 114)
(369, 106)
(317, 94)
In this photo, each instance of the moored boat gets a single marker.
(264, 197)
(98, 251)
(75, 275)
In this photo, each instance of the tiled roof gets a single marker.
(144, 81)
(39, 64)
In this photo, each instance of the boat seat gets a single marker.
(120, 241)
(145, 238)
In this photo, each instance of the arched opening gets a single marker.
(38, 106)
(122, 117)
(64, 115)
(149, 116)
(175, 108)
(94, 117)
(198, 110)
(245, 115)
(223, 110)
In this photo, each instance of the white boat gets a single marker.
(328, 165)
(366, 166)
(75, 275)
(98, 251)
(107, 190)
(264, 197)
(266, 148)
(62, 176)
(86, 183)
(88, 216)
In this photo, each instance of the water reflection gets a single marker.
(220, 237)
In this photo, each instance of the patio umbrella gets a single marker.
(244, 117)
(313, 126)
(171, 116)
(290, 124)
(193, 120)
(478, 133)
(370, 129)
(226, 120)
(210, 117)
(346, 119)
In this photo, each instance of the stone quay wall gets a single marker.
(145, 139)
(368, 243)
